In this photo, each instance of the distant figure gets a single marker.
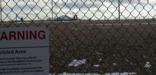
(90, 19)
(75, 17)
(22, 20)
(2, 21)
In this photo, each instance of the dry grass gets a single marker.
(129, 43)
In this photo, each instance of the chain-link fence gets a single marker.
(112, 37)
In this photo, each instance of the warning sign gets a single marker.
(24, 51)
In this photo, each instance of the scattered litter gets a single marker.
(124, 73)
(114, 73)
(76, 63)
(96, 65)
(114, 64)
(147, 65)
(100, 59)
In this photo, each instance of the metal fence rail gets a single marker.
(92, 36)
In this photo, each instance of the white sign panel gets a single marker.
(24, 51)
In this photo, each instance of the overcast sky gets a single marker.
(85, 9)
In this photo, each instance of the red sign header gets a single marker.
(23, 35)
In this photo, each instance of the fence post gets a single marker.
(1, 10)
(119, 2)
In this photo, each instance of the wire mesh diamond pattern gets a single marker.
(92, 36)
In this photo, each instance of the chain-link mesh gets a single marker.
(92, 36)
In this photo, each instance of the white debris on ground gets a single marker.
(147, 65)
(124, 73)
(76, 63)
(100, 59)
(114, 64)
(96, 65)
(115, 73)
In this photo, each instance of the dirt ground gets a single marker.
(127, 43)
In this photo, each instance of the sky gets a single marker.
(85, 9)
